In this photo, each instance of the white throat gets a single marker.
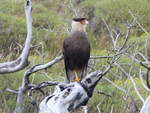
(77, 26)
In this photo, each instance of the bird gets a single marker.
(76, 50)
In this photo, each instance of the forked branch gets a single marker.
(22, 61)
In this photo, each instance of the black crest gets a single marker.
(79, 19)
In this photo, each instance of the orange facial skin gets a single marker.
(83, 22)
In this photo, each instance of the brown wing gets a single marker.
(76, 50)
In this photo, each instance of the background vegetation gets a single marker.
(51, 22)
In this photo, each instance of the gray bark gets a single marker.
(146, 106)
(22, 61)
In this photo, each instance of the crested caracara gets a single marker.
(76, 50)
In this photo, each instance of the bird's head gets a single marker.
(79, 24)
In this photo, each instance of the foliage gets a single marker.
(116, 12)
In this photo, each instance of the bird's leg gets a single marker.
(76, 77)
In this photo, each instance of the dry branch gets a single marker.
(43, 66)
(130, 77)
(24, 56)
(146, 106)
(39, 67)
(137, 22)
(22, 61)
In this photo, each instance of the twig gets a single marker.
(144, 58)
(130, 12)
(43, 66)
(98, 108)
(126, 39)
(128, 75)
(42, 85)
(123, 90)
(103, 93)
(146, 106)
(12, 91)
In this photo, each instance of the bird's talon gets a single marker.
(77, 79)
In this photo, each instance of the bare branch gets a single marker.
(121, 89)
(146, 106)
(145, 64)
(112, 56)
(22, 61)
(43, 66)
(126, 38)
(39, 67)
(141, 55)
(12, 91)
(100, 57)
(142, 99)
(103, 93)
(24, 55)
(99, 111)
(44, 84)
(115, 36)
(128, 75)
(114, 40)
(130, 12)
